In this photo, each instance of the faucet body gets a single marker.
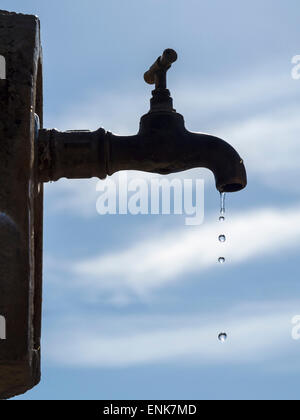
(162, 145)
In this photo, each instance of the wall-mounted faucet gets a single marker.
(30, 156)
(162, 145)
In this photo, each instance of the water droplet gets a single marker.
(221, 218)
(221, 260)
(222, 337)
(222, 202)
(222, 238)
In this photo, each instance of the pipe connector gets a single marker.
(73, 154)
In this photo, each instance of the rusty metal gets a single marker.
(30, 156)
(72, 154)
(162, 145)
(157, 72)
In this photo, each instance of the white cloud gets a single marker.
(79, 196)
(171, 257)
(246, 93)
(269, 142)
(257, 333)
(76, 196)
(120, 111)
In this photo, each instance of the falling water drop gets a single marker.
(222, 337)
(222, 202)
(222, 238)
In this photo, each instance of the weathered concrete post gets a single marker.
(21, 204)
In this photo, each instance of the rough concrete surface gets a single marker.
(21, 204)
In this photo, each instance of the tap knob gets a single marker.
(157, 72)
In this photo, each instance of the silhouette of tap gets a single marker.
(163, 145)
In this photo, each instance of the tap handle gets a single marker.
(161, 65)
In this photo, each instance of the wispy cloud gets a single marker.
(236, 97)
(197, 99)
(76, 196)
(269, 142)
(79, 196)
(176, 255)
(257, 333)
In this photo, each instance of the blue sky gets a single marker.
(133, 304)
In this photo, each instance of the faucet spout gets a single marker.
(222, 159)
